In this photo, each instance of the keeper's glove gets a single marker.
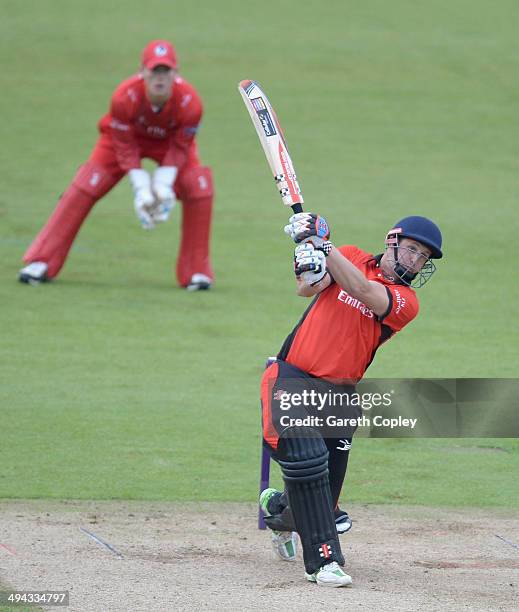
(143, 198)
(309, 263)
(162, 185)
(308, 227)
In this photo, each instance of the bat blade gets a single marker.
(273, 142)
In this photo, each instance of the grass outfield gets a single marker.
(116, 384)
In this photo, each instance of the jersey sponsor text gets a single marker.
(354, 303)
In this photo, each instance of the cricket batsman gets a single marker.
(359, 302)
(154, 114)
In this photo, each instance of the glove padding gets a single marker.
(162, 185)
(308, 227)
(309, 263)
(143, 198)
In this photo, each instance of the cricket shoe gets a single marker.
(342, 521)
(330, 575)
(284, 543)
(199, 282)
(34, 273)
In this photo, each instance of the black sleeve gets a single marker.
(389, 306)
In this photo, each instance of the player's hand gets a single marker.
(143, 198)
(162, 185)
(309, 263)
(308, 227)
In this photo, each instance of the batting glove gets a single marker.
(162, 185)
(143, 198)
(308, 227)
(309, 264)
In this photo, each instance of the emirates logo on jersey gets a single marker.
(160, 51)
(347, 299)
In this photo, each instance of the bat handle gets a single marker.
(297, 208)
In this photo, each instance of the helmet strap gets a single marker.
(403, 273)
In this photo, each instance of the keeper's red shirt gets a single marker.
(133, 122)
(338, 335)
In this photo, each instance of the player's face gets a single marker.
(413, 255)
(158, 82)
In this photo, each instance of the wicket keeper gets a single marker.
(154, 114)
(359, 302)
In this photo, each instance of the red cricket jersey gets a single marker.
(338, 335)
(132, 121)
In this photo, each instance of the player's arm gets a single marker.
(129, 158)
(179, 142)
(311, 229)
(305, 290)
(352, 280)
(122, 132)
(184, 133)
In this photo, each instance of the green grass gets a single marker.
(116, 384)
(17, 607)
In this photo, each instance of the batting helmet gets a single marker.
(422, 230)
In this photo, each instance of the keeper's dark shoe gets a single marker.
(199, 282)
(33, 273)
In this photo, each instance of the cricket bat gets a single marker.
(273, 142)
